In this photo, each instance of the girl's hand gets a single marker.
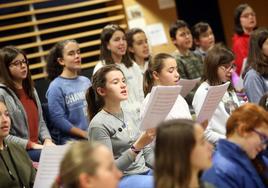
(145, 138)
(48, 142)
(37, 146)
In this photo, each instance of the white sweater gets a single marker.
(216, 128)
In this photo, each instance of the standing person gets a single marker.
(190, 66)
(181, 153)
(66, 93)
(203, 37)
(17, 91)
(163, 71)
(87, 165)
(245, 22)
(16, 169)
(114, 51)
(256, 79)
(138, 47)
(247, 137)
(117, 128)
(218, 70)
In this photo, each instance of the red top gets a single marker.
(32, 115)
(240, 49)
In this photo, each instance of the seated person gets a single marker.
(181, 152)
(117, 129)
(87, 165)
(247, 137)
(16, 169)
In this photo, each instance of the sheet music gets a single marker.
(161, 101)
(211, 102)
(49, 163)
(188, 85)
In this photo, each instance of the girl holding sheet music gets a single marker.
(118, 129)
(163, 71)
(218, 70)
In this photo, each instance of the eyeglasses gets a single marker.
(263, 137)
(228, 68)
(18, 63)
(247, 15)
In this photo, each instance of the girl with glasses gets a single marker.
(238, 160)
(245, 22)
(17, 91)
(218, 70)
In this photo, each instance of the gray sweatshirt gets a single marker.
(111, 131)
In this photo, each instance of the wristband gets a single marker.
(135, 150)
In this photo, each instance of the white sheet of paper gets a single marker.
(188, 85)
(49, 163)
(161, 101)
(211, 102)
(156, 34)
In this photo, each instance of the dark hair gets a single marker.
(53, 68)
(264, 101)
(175, 26)
(129, 37)
(78, 159)
(156, 65)
(94, 100)
(219, 55)
(8, 54)
(199, 28)
(237, 14)
(257, 60)
(105, 53)
(175, 140)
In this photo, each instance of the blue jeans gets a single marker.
(34, 154)
(138, 181)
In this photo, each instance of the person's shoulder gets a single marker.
(84, 79)
(98, 120)
(252, 75)
(15, 146)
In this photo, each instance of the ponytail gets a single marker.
(94, 105)
(148, 81)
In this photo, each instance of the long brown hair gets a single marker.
(94, 100)
(175, 140)
(8, 54)
(105, 54)
(257, 60)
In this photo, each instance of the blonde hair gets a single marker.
(78, 159)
